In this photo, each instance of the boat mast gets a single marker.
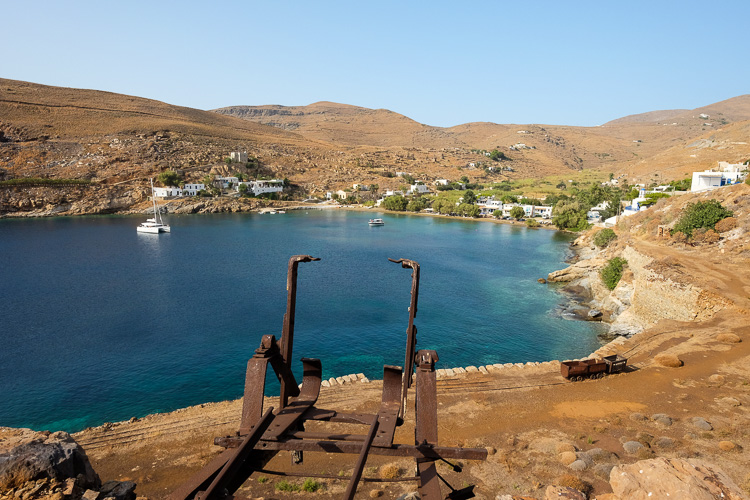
(153, 199)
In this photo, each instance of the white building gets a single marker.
(239, 157)
(419, 188)
(226, 182)
(442, 182)
(727, 173)
(192, 189)
(167, 192)
(263, 187)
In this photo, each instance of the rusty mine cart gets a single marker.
(262, 434)
(592, 368)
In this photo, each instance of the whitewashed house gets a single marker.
(226, 182)
(419, 188)
(442, 182)
(726, 174)
(265, 186)
(192, 189)
(167, 192)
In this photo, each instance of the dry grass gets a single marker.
(574, 482)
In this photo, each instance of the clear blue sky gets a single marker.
(440, 63)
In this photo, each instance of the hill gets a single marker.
(117, 142)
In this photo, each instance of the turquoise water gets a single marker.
(100, 323)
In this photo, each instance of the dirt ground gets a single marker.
(529, 418)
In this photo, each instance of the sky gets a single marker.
(441, 63)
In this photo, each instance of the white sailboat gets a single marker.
(155, 225)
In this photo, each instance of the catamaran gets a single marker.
(155, 225)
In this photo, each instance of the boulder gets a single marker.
(632, 447)
(672, 478)
(42, 455)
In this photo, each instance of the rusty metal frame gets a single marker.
(263, 434)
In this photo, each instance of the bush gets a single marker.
(679, 237)
(725, 225)
(612, 272)
(395, 203)
(707, 236)
(285, 485)
(703, 214)
(311, 486)
(604, 237)
(532, 223)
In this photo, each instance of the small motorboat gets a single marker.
(376, 222)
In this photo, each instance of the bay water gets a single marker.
(99, 323)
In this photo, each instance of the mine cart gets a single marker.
(592, 368)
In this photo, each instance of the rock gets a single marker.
(90, 495)
(661, 419)
(578, 465)
(603, 470)
(542, 281)
(663, 443)
(562, 493)
(632, 447)
(672, 478)
(716, 379)
(727, 446)
(637, 417)
(595, 313)
(702, 424)
(578, 270)
(117, 490)
(562, 447)
(43, 455)
(729, 338)
(376, 493)
(409, 496)
(728, 402)
(568, 457)
(668, 360)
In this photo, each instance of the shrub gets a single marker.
(703, 214)
(668, 360)
(532, 223)
(705, 236)
(612, 272)
(679, 237)
(311, 486)
(571, 481)
(604, 238)
(725, 225)
(285, 485)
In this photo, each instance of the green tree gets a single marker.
(169, 178)
(470, 197)
(468, 210)
(612, 272)
(415, 205)
(517, 212)
(604, 237)
(703, 214)
(569, 215)
(243, 189)
(509, 198)
(497, 214)
(395, 203)
(496, 155)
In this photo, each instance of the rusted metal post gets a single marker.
(287, 335)
(411, 330)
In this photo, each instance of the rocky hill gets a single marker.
(117, 142)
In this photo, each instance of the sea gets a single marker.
(99, 323)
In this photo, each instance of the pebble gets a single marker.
(637, 417)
